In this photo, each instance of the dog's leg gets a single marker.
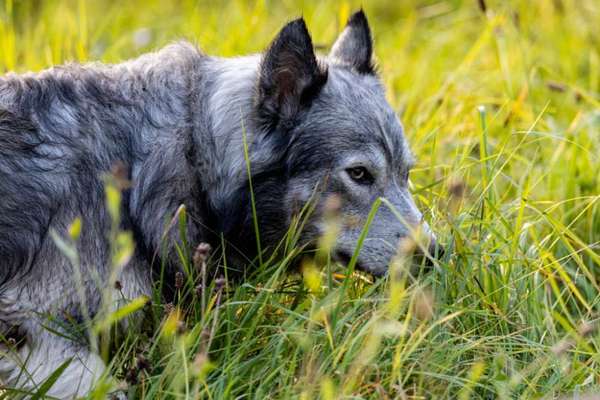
(28, 306)
(27, 365)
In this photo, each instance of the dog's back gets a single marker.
(61, 131)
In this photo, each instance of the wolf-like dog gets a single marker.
(178, 121)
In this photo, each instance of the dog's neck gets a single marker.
(223, 121)
(211, 157)
(228, 140)
(225, 129)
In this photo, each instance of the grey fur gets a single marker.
(175, 118)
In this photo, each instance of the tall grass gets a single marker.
(501, 104)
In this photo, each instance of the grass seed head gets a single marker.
(220, 283)
(168, 309)
(333, 205)
(201, 254)
(178, 280)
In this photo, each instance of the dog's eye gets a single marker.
(360, 175)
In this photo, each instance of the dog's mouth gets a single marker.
(344, 257)
(419, 262)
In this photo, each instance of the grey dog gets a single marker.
(177, 120)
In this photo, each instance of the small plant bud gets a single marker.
(201, 365)
(561, 347)
(142, 363)
(456, 189)
(178, 280)
(407, 246)
(148, 305)
(205, 335)
(120, 173)
(168, 308)
(220, 283)
(586, 328)
(556, 86)
(423, 305)
(181, 327)
(201, 254)
(333, 205)
(199, 360)
(132, 376)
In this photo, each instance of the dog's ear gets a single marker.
(290, 76)
(354, 46)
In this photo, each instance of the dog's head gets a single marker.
(340, 137)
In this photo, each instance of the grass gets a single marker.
(501, 104)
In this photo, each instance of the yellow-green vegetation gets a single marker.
(501, 104)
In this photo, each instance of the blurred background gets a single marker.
(438, 59)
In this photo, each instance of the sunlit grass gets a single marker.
(502, 109)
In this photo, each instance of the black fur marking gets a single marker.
(23, 224)
(355, 45)
(290, 76)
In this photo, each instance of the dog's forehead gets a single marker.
(354, 108)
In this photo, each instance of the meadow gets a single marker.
(500, 101)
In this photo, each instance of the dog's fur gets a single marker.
(177, 120)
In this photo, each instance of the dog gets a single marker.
(278, 130)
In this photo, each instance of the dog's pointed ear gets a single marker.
(290, 76)
(354, 46)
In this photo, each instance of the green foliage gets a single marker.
(502, 109)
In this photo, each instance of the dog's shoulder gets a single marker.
(16, 133)
(176, 58)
